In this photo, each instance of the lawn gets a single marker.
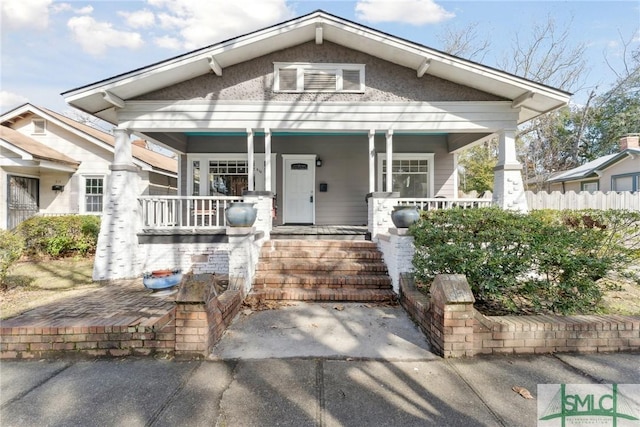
(30, 284)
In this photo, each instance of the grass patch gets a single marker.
(30, 284)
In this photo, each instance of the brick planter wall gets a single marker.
(157, 339)
(202, 317)
(551, 334)
(456, 329)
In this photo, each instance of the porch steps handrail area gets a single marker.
(432, 203)
(185, 212)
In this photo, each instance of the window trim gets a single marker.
(83, 197)
(336, 68)
(429, 157)
(206, 157)
(591, 181)
(635, 181)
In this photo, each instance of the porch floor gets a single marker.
(337, 232)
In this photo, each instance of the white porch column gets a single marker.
(116, 252)
(508, 187)
(122, 154)
(372, 161)
(250, 161)
(267, 159)
(389, 186)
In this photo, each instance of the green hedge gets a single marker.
(542, 262)
(57, 236)
(11, 248)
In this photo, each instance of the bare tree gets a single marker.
(547, 56)
(465, 42)
(92, 121)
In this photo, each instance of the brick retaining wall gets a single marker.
(147, 338)
(457, 329)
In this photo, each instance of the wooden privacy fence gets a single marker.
(583, 200)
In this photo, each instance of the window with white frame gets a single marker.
(412, 174)
(39, 126)
(226, 174)
(590, 186)
(93, 194)
(309, 77)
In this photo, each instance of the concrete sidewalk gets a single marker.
(294, 392)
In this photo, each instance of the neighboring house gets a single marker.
(51, 164)
(613, 172)
(334, 119)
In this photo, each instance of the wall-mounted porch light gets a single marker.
(318, 162)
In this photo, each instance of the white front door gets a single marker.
(299, 185)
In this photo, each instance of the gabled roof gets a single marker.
(99, 98)
(592, 168)
(144, 157)
(29, 148)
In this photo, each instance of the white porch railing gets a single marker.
(185, 212)
(427, 204)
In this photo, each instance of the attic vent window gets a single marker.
(307, 77)
(39, 126)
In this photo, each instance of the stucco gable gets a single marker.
(385, 81)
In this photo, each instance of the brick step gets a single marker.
(321, 254)
(292, 280)
(326, 244)
(352, 295)
(321, 266)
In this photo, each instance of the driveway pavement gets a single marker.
(303, 365)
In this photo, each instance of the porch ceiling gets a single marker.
(178, 142)
(101, 98)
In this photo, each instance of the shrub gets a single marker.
(546, 261)
(11, 248)
(57, 236)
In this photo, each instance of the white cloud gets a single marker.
(200, 23)
(139, 19)
(60, 7)
(66, 7)
(414, 12)
(17, 14)
(10, 100)
(87, 10)
(168, 42)
(95, 37)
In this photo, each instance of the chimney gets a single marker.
(629, 141)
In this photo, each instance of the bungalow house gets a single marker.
(613, 172)
(318, 120)
(51, 164)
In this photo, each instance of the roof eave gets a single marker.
(90, 98)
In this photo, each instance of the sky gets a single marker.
(49, 47)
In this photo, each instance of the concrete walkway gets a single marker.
(327, 330)
(294, 392)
